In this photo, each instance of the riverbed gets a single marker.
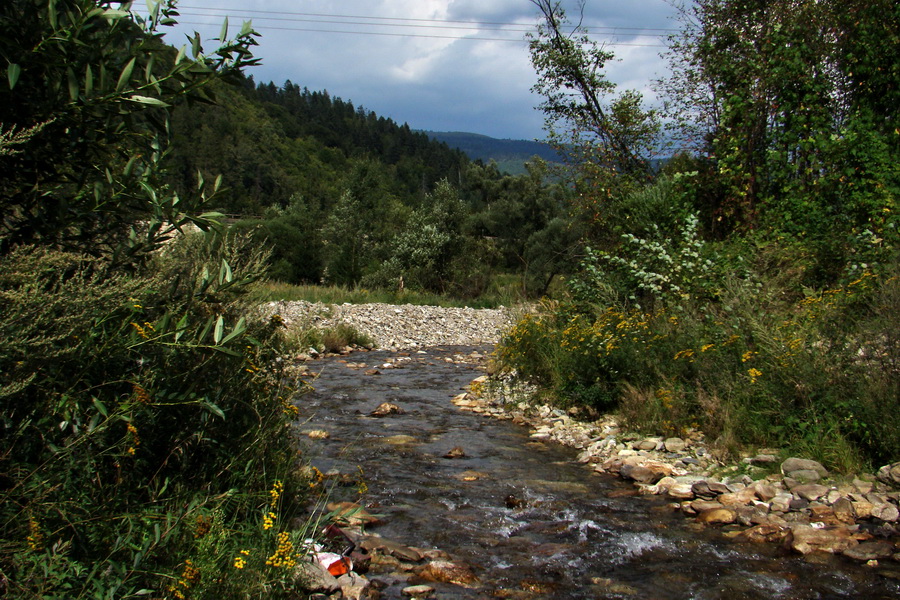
(521, 514)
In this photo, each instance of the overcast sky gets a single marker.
(442, 65)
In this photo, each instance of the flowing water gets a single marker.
(529, 520)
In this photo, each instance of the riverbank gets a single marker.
(766, 497)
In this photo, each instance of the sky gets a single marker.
(439, 65)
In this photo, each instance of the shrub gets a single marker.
(144, 425)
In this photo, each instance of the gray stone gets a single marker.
(353, 586)
(886, 512)
(675, 444)
(890, 474)
(805, 476)
(316, 578)
(874, 550)
(810, 491)
(802, 464)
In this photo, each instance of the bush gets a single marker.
(144, 426)
(762, 365)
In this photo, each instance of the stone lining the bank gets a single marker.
(792, 502)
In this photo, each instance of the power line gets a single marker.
(476, 24)
(415, 35)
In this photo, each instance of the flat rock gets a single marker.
(445, 571)
(874, 550)
(805, 539)
(351, 513)
(886, 512)
(791, 465)
(375, 543)
(764, 533)
(810, 492)
(315, 578)
(418, 591)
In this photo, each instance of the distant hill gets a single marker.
(510, 155)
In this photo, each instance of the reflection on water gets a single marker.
(530, 521)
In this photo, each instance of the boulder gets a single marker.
(351, 513)
(315, 578)
(886, 512)
(353, 586)
(843, 510)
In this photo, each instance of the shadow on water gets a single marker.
(530, 521)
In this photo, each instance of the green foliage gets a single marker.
(134, 409)
(97, 82)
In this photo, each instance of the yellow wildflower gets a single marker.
(754, 374)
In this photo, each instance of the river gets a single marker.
(529, 520)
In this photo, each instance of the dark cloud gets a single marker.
(430, 82)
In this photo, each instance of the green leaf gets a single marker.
(240, 328)
(225, 274)
(125, 75)
(220, 329)
(246, 29)
(12, 73)
(88, 81)
(100, 407)
(180, 327)
(148, 100)
(73, 84)
(195, 45)
(224, 33)
(180, 56)
(113, 14)
(213, 409)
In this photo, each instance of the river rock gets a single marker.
(674, 444)
(455, 452)
(315, 578)
(386, 408)
(804, 476)
(810, 492)
(382, 545)
(740, 498)
(781, 502)
(445, 571)
(873, 550)
(717, 515)
(418, 591)
(886, 512)
(353, 586)
(792, 465)
(681, 491)
(764, 533)
(318, 434)
(890, 474)
(805, 539)
(640, 474)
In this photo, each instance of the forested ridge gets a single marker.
(335, 190)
